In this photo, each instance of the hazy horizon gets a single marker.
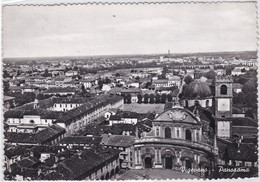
(125, 55)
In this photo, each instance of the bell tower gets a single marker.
(223, 105)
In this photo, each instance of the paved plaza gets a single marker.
(138, 174)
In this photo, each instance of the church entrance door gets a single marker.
(188, 164)
(148, 162)
(168, 162)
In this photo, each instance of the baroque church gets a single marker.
(185, 135)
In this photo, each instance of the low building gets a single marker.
(60, 91)
(30, 121)
(71, 73)
(76, 119)
(30, 89)
(50, 135)
(80, 142)
(123, 143)
(67, 104)
(90, 164)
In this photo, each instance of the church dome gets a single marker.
(197, 90)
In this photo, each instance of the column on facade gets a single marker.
(160, 155)
(155, 153)
(160, 131)
(139, 155)
(136, 160)
(173, 132)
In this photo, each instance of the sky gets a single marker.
(87, 30)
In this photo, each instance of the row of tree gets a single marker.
(149, 98)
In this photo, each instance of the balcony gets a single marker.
(174, 141)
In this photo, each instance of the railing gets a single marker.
(174, 141)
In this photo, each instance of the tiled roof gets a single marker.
(7, 98)
(244, 122)
(60, 90)
(35, 138)
(248, 152)
(237, 86)
(162, 81)
(44, 114)
(117, 140)
(27, 162)
(71, 100)
(86, 108)
(11, 151)
(81, 140)
(83, 164)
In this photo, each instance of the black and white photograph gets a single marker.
(130, 91)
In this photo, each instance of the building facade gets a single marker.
(178, 140)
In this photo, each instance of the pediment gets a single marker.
(177, 115)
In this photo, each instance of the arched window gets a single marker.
(223, 90)
(188, 134)
(32, 121)
(186, 103)
(168, 133)
(178, 133)
(207, 103)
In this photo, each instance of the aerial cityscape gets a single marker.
(98, 92)
(130, 113)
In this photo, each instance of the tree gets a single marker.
(169, 98)
(6, 74)
(229, 68)
(210, 74)
(100, 83)
(250, 86)
(188, 79)
(242, 80)
(243, 70)
(6, 87)
(163, 98)
(140, 97)
(46, 73)
(42, 97)
(148, 84)
(151, 98)
(107, 81)
(128, 98)
(157, 98)
(83, 88)
(146, 98)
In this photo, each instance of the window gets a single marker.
(178, 134)
(188, 134)
(168, 132)
(207, 103)
(223, 90)
(197, 136)
(187, 103)
(31, 121)
(157, 132)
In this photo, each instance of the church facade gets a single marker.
(179, 139)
